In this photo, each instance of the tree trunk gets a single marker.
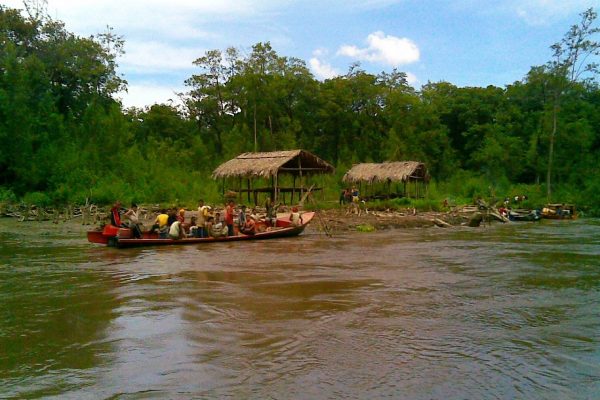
(551, 150)
(255, 136)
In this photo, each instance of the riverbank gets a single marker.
(331, 220)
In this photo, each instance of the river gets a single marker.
(501, 312)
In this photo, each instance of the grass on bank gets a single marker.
(185, 189)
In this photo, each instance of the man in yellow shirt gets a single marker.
(161, 224)
(202, 218)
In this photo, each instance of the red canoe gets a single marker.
(121, 237)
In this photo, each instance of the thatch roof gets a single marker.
(265, 165)
(397, 171)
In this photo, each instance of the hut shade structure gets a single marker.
(404, 172)
(270, 166)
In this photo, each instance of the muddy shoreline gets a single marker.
(333, 220)
(342, 220)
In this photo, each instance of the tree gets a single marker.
(571, 63)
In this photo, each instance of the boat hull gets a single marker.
(279, 233)
(524, 216)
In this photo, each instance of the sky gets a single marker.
(464, 42)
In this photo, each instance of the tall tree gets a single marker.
(573, 60)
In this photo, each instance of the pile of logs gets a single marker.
(89, 214)
(474, 215)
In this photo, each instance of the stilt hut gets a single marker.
(410, 177)
(271, 173)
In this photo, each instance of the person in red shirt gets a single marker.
(115, 217)
(229, 210)
(181, 215)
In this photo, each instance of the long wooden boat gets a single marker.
(559, 211)
(121, 237)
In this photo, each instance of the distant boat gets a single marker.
(524, 215)
(559, 211)
(121, 237)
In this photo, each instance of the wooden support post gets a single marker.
(248, 182)
(300, 173)
(293, 190)
(275, 189)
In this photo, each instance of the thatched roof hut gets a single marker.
(396, 171)
(384, 174)
(268, 164)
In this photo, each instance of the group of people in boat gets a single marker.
(171, 223)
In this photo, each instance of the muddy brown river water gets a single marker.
(501, 312)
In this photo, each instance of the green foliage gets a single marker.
(7, 195)
(37, 198)
(365, 228)
(427, 204)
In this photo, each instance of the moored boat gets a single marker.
(524, 215)
(122, 237)
(559, 211)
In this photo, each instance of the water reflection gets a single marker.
(502, 312)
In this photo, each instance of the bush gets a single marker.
(7, 196)
(38, 199)
(427, 204)
(365, 228)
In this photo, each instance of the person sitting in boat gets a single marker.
(218, 229)
(172, 213)
(208, 225)
(134, 222)
(295, 217)
(181, 215)
(249, 227)
(115, 216)
(176, 231)
(242, 218)
(161, 224)
(193, 230)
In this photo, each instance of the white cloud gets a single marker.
(532, 12)
(322, 70)
(412, 79)
(385, 49)
(144, 94)
(540, 12)
(151, 57)
(177, 18)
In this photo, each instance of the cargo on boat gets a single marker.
(559, 211)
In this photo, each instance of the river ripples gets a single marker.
(497, 312)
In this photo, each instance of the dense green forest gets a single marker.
(64, 137)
